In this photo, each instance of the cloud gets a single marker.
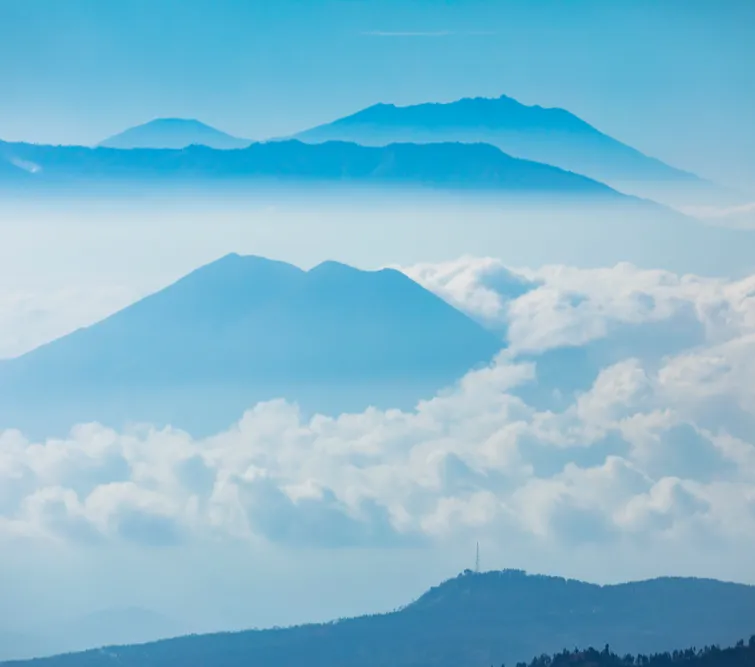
(741, 216)
(463, 460)
(560, 306)
(651, 453)
(427, 33)
(415, 33)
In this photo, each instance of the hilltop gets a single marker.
(476, 620)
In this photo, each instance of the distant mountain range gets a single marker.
(174, 133)
(110, 626)
(245, 329)
(17, 646)
(474, 620)
(445, 165)
(129, 625)
(548, 136)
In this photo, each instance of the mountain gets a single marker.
(549, 136)
(446, 165)
(109, 626)
(740, 655)
(16, 646)
(117, 626)
(174, 133)
(475, 620)
(245, 329)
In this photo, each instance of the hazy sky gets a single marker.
(674, 79)
(649, 470)
(279, 519)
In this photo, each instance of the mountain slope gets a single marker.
(173, 133)
(476, 620)
(244, 329)
(550, 136)
(447, 165)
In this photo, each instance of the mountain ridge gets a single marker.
(444, 165)
(477, 618)
(548, 135)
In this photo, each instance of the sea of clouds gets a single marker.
(643, 437)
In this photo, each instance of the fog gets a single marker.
(97, 253)
(68, 262)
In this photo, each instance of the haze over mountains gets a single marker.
(524, 322)
(243, 329)
(173, 133)
(445, 165)
(547, 135)
(105, 627)
(474, 619)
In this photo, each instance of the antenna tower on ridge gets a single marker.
(477, 559)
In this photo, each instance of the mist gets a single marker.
(108, 250)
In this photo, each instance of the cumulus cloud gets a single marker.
(463, 460)
(656, 447)
(558, 306)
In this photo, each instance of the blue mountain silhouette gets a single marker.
(445, 165)
(488, 619)
(547, 135)
(174, 133)
(244, 329)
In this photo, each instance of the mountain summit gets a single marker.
(173, 133)
(245, 329)
(547, 135)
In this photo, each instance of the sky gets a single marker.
(648, 470)
(673, 79)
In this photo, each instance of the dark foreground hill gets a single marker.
(244, 329)
(474, 621)
(740, 655)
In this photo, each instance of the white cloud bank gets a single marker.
(656, 450)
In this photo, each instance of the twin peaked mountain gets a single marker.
(244, 329)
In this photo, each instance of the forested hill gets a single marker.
(474, 620)
(741, 655)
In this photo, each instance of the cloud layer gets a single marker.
(741, 216)
(651, 447)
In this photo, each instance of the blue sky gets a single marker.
(673, 79)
